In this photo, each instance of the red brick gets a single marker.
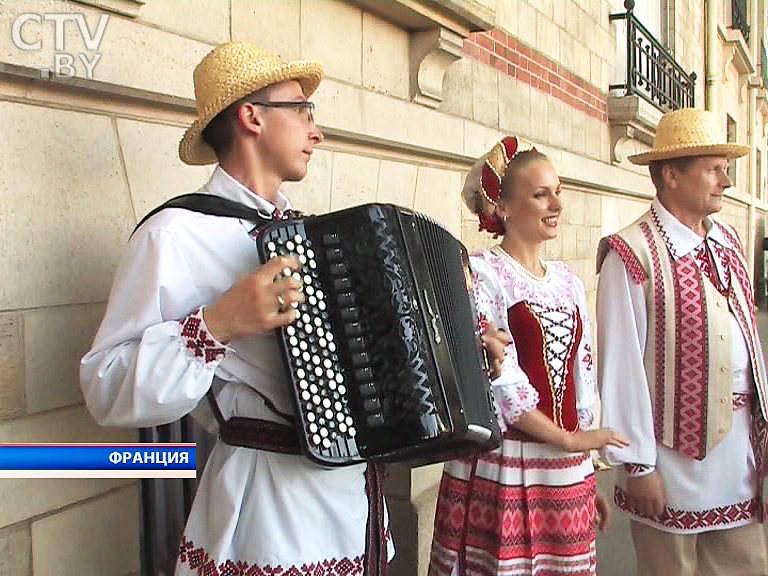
(499, 36)
(500, 49)
(485, 41)
(536, 69)
(484, 56)
(500, 65)
(523, 76)
(524, 50)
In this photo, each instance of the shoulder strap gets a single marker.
(213, 205)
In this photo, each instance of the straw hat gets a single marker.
(230, 72)
(689, 132)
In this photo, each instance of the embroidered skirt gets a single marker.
(524, 509)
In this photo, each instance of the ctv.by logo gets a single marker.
(62, 61)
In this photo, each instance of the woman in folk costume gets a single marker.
(528, 507)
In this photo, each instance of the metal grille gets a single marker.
(739, 18)
(652, 72)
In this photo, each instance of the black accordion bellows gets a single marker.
(385, 357)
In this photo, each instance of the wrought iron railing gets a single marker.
(739, 18)
(652, 72)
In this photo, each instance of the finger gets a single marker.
(276, 265)
(295, 297)
(285, 285)
(606, 517)
(284, 318)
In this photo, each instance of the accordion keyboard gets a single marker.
(312, 349)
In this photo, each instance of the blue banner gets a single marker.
(75, 457)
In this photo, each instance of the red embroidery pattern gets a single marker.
(633, 265)
(198, 340)
(660, 329)
(740, 399)
(692, 354)
(482, 322)
(503, 523)
(686, 520)
(587, 358)
(198, 559)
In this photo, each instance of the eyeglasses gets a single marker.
(301, 106)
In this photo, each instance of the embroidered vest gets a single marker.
(688, 349)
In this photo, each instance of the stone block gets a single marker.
(558, 14)
(54, 341)
(113, 517)
(438, 194)
(539, 116)
(578, 131)
(354, 180)
(152, 165)
(29, 497)
(274, 25)
(548, 36)
(506, 16)
(569, 232)
(15, 550)
(581, 60)
(333, 34)
(485, 94)
(312, 194)
(339, 106)
(397, 183)
(203, 19)
(574, 207)
(566, 51)
(526, 23)
(583, 238)
(479, 139)
(11, 366)
(457, 89)
(132, 54)
(559, 122)
(596, 72)
(515, 106)
(65, 210)
(385, 57)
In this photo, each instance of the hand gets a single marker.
(603, 512)
(495, 341)
(257, 302)
(646, 494)
(584, 440)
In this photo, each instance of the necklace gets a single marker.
(519, 267)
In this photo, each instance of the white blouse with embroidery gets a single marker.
(153, 361)
(500, 283)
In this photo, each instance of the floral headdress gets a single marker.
(482, 188)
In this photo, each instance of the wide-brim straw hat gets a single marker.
(689, 132)
(228, 73)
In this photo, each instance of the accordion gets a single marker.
(385, 357)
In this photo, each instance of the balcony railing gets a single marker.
(652, 72)
(739, 18)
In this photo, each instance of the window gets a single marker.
(759, 175)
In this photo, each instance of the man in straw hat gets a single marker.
(681, 365)
(192, 310)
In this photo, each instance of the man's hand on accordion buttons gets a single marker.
(257, 302)
(495, 341)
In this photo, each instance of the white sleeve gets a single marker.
(152, 359)
(512, 391)
(621, 335)
(584, 375)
